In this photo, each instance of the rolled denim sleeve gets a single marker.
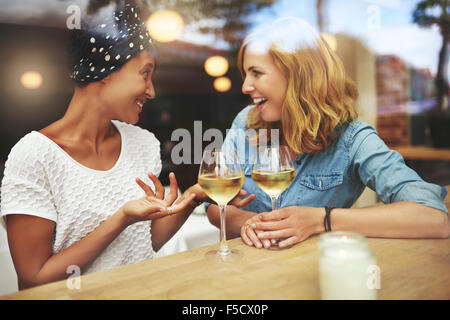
(384, 171)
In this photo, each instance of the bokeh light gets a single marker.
(165, 25)
(222, 84)
(216, 66)
(31, 80)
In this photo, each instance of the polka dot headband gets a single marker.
(110, 44)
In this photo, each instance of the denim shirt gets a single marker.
(337, 176)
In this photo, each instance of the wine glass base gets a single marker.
(217, 256)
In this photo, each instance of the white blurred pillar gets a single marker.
(360, 65)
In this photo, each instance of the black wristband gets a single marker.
(327, 219)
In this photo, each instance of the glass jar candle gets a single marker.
(345, 271)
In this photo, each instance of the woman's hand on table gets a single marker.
(292, 224)
(154, 205)
(250, 235)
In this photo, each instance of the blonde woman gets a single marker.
(298, 84)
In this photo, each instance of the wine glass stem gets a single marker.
(274, 202)
(224, 250)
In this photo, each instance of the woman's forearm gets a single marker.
(79, 254)
(234, 219)
(395, 220)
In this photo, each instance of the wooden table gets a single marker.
(410, 269)
(423, 153)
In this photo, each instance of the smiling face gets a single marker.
(126, 90)
(264, 82)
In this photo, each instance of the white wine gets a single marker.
(220, 189)
(273, 183)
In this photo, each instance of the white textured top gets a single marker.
(41, 179)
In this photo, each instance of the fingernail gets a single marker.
(253, 225)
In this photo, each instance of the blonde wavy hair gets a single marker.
(319, 97)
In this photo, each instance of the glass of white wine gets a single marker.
(273, 171)
(221, 177)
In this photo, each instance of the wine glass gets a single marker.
(273, 171)
(221, 177)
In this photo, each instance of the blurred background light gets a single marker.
(222, 84)
(216, 66)
(165, 25)
(31, 80)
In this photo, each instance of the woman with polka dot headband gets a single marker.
(68, 189)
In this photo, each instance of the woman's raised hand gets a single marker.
(159, 188)
(154, 205)
(236, 201)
